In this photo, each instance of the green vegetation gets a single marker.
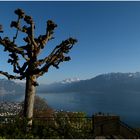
(138, 129)
(61, 125)
(47, 123)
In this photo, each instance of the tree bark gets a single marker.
(29, 99)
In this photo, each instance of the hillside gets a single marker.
(107, 83)
(10, 89)
(112, 82)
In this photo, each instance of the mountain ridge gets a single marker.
(109, 82)
(103, 82)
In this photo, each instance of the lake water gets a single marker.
(127, 105)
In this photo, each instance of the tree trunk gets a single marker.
(29, 98)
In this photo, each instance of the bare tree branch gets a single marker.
(9, 76)
(15, 37)
(58, 51)
(32, 68)
(43, 39)
(16, 66)
(56, 56)
(10, 46)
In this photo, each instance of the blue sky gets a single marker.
(108, 35)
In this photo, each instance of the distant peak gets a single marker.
(70, 80)
(117, 75)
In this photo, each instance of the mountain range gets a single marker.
(10, 87)
(111, 82)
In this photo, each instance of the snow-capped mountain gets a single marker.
(110, 82)
(119, 75)
(70, 80)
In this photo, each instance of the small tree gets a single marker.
(40, 104)
(33, 67)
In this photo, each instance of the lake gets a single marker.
(125, 104)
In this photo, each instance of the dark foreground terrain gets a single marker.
(67, 125)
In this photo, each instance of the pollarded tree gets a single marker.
(33, 67)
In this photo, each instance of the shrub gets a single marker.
(61, 125)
